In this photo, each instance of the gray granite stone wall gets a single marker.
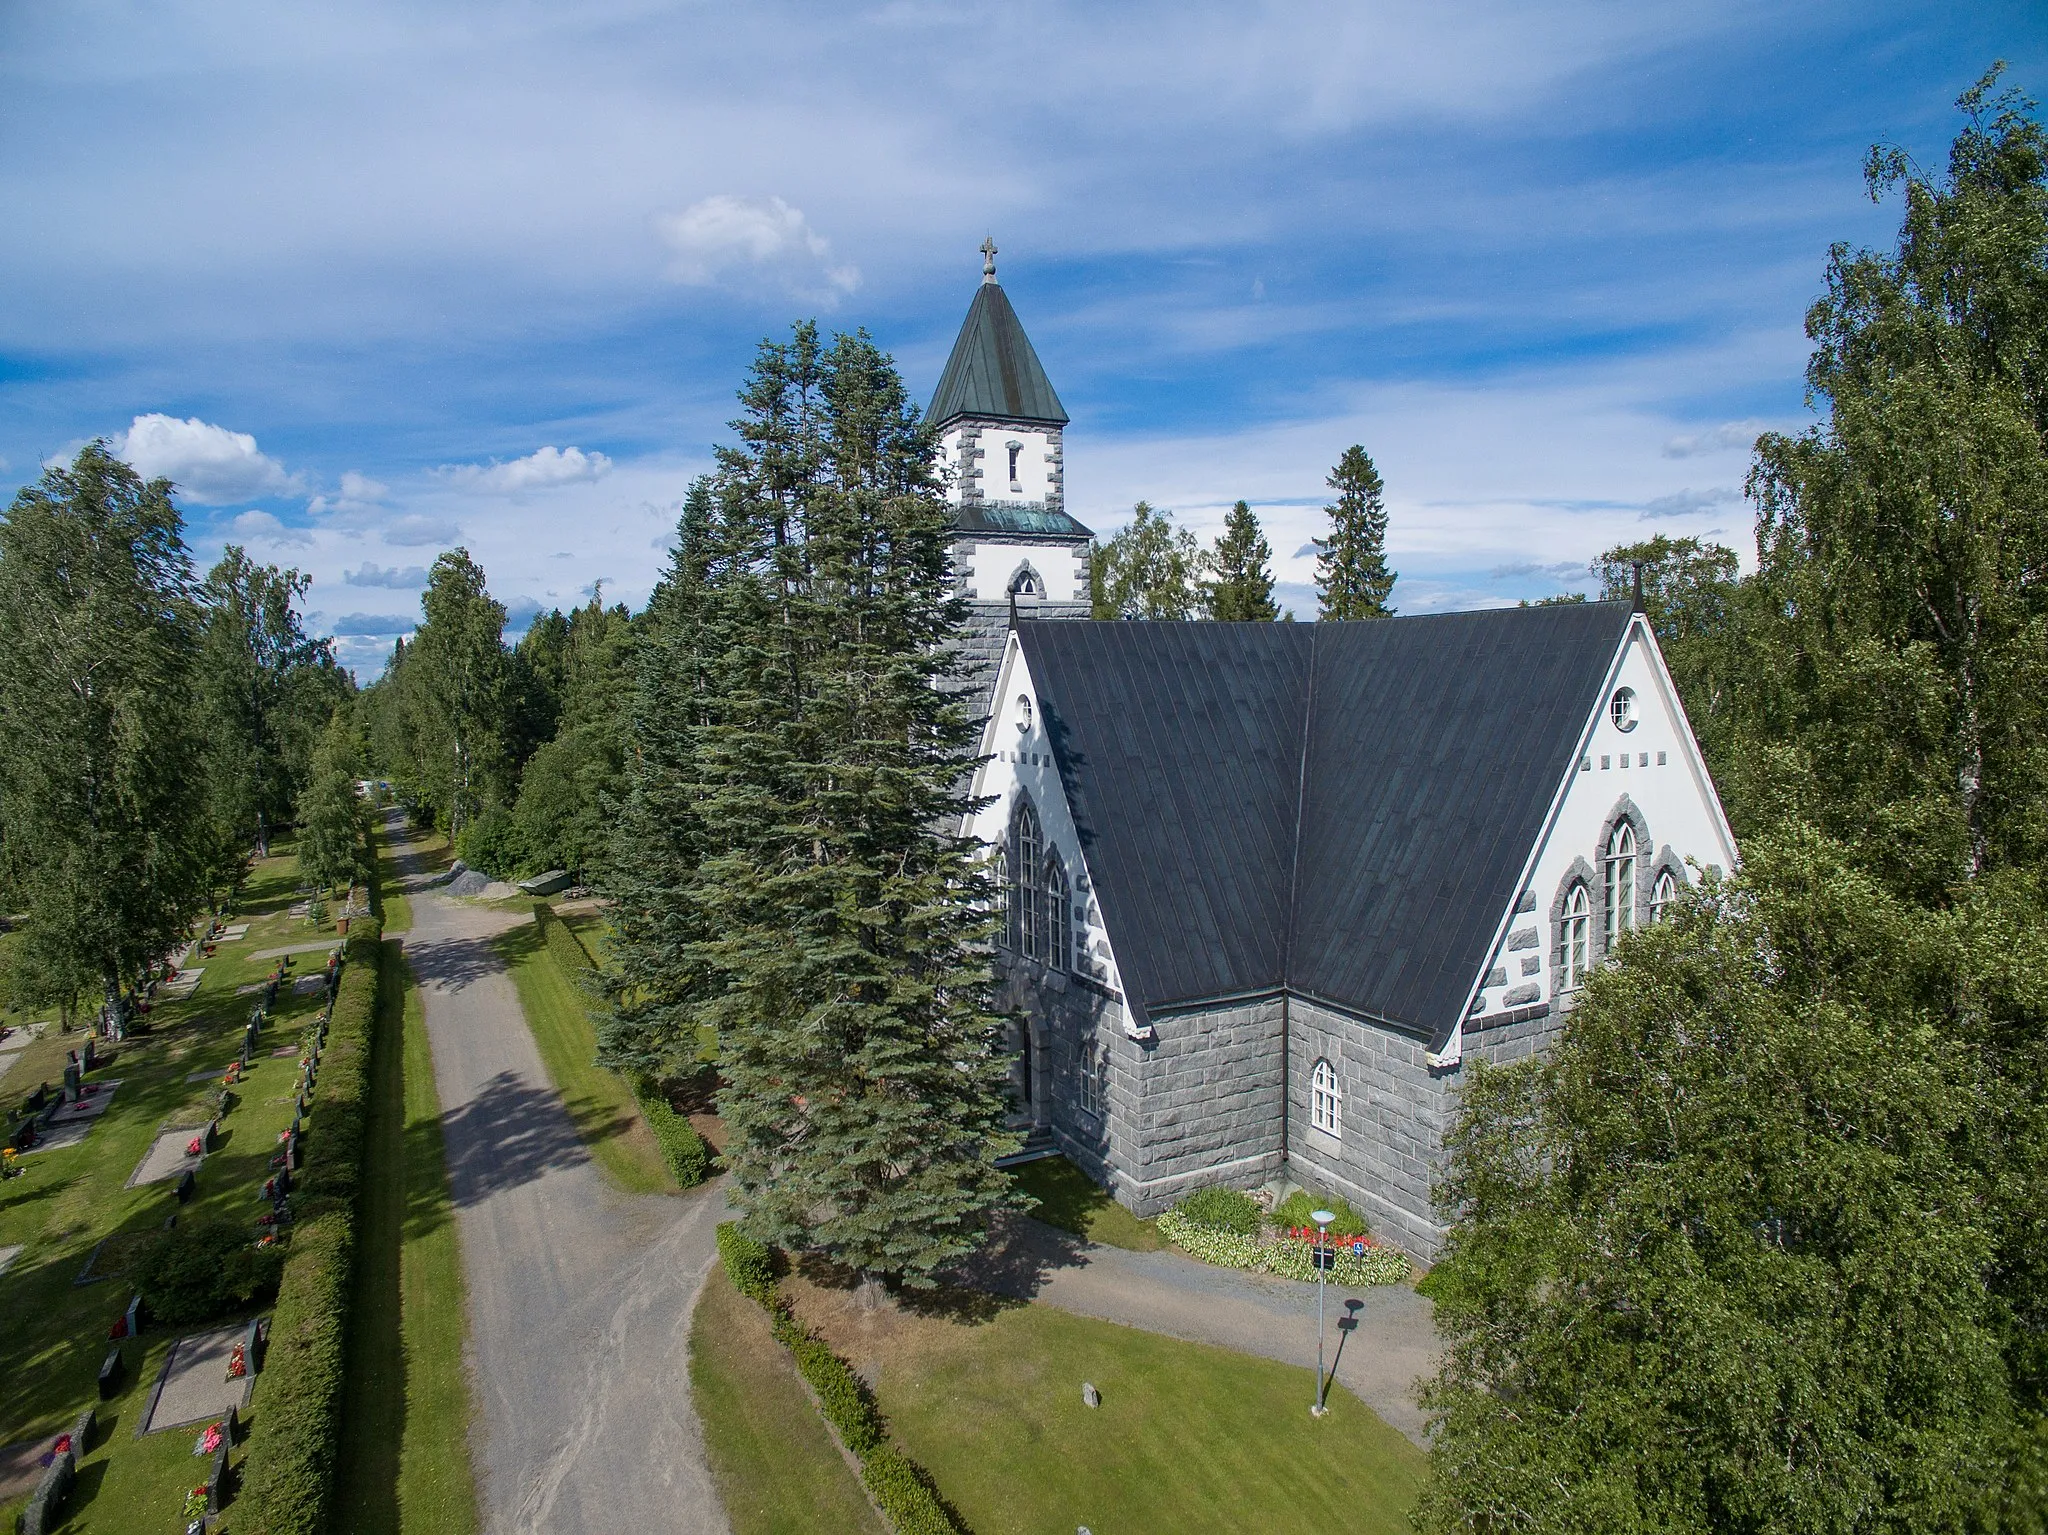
(1210, 1104)
(1391, 1132)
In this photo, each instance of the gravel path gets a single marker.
(1380, 1340)
(579, 1295)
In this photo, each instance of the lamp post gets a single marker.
(1322, 1218)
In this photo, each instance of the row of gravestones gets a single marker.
(26, 1123)
(47, 1502)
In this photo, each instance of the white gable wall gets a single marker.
(1020, 757)
(1654, 775)
(990, 566)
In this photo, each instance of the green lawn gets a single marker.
(69, 1199)
(1069, 1199)
(777, 1469)
(405, 1452)
(1189, 1439)
(599, 1101)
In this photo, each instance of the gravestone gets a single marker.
(113, 1370)
(46, 1506)
(1090, 1397)
(218, 1489)
(186, 1185)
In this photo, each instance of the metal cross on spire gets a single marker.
(988, 259)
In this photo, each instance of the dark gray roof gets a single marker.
(1373, 874)
(993, 370)
(1021, 519)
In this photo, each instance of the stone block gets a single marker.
(1524, 939)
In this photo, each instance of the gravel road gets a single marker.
(579, 1294)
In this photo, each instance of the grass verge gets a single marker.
(405, 1444)
(777, 1469)
(599, 1101)
(1189, 1438)
(1069, 1199)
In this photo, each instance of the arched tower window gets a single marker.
(1662, 894)
(1621, 882)
(1325, 1100)
(1576, 939)
(1059, 914)
(1015, 448)
(1088, 1070)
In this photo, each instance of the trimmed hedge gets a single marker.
(194, 1273)
(562, 943)
(899, 1486)
(290, 1470)
(688, 1158)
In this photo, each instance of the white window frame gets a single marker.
(1326, 1099)
(1575, 945)
(1089, 1065)
(1662, 893)
(1621, 882)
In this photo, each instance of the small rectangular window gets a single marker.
(1643, 760)
(1660, 759)
(1604, 764)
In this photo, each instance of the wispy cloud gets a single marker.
(1684, 503)
(1721, 439)
(372, 625)
(209, 464)
(413, 530)
(753, 240)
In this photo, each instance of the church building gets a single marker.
(1269, 887)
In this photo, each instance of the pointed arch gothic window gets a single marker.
(1090, 1065)
(1041, 904)
(999, 871)
(1662, 894)
(1059, 914)
(1575, 944)
(1621, 882)
(1326, 1100)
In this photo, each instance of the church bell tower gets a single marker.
(1016, 552)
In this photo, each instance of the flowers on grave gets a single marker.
(208, 1440)
(61, 1444)
(268, 1239)
(195, 1509)
(196, 1145)
(120, 1327)
(238, 1356)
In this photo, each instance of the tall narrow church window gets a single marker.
(1059, 915)
(1576, 939)
(1662, 894)
(1000, 873)
(1621, 882)
(1325, 1100)
(1015, 449)
(1027, 844)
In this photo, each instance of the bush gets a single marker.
(210, 1268)
(1279, 1255)
(562, 943)
(905, 1494)
(750, 1265)
(289, 1474)
(1222, 1209)
(1298, 1209)
(492, 844)
(688, 1158)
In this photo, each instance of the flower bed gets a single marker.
(1359, 1262)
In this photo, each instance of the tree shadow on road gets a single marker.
(509, 1134)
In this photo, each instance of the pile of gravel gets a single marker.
(469, 882)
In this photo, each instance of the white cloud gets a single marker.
(369, 573)
(359, 495)
(746, 240)
(539, 470)
(208, 463)
(414, 529)
(262, 528)
(1724, 438)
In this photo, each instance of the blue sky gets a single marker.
(369, 280)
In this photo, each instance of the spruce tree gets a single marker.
(797, 772)
(1352, 578)
(1241, 588)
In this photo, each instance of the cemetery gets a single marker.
(147, 1215)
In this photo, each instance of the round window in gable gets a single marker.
(1622, 708)
(1023, 714)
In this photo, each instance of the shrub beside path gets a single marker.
(580, 1295)
(1390, 1340)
